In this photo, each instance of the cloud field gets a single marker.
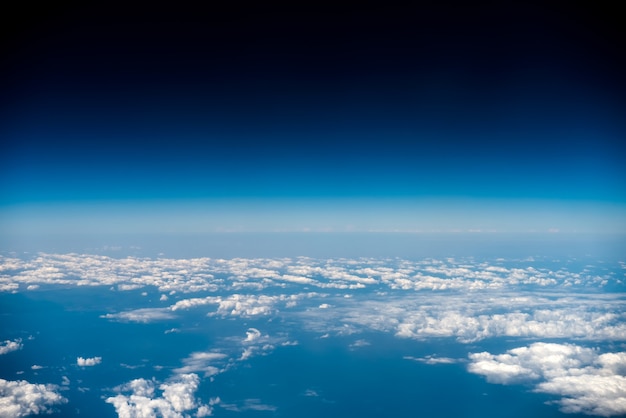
(566, 319)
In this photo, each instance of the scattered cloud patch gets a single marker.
(206, 362)
(21, 398)
(252, 335)
(466, 300)
(172, 399)
(587, 382)
(88, 362)
(210, 275)
(359, 344)
(248, 405)
(11, 345)
(143, 315)
(433, 359)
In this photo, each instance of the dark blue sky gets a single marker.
(492, 101)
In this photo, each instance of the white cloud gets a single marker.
(247, 353)
(177, 397)
(248, 405)
(477, 316)
(205, 274)
(359, 343)
(243, 305)
(466, 300)
(432, 359)
(128, 287)
(586, 381)
(21, 398)
(202, 362)
(8, 346)
(143, 315)
(252, 335)
(87, 362)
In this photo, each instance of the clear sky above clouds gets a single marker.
(431, 118)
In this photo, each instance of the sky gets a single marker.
(432, 118)
(396, 206)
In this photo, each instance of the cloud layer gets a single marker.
(466, 301)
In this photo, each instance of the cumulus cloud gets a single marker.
(175, 400)
(243, 305)
(474, 317)
(87, 362)
(8, 346)
(205, 274)
(21, 398)
(587, 382)
(465, 300)
(252, 335)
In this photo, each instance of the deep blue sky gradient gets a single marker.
(515, 101)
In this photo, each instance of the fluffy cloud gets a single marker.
(466, 300)
(586, 381)
(252, 335)
(243, 305)
(85, 362)
(8, 346)
(176, 399)
(477, 316)
(21, 398)
(210, 275)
